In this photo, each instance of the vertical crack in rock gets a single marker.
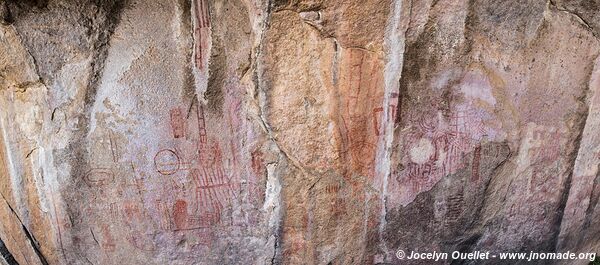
(335, 63)
(275, 201)
(394, 42)
(261, 94)
(273, 178)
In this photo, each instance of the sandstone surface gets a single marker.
(297, 131)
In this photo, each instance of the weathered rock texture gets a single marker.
(296, 132)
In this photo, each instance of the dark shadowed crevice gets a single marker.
(35, 245)
(6, 255)
(33, 242)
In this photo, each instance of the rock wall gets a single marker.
(296, 131)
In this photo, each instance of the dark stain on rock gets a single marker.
(217, 74)
(420, 58)
(189, 87)
(101, 19)
(186, 15)
(449, 213)
(27, 5)
(424, 58)
(55, 33)
(5, 16)
(277, 4)
(228, 59)
(401, 99)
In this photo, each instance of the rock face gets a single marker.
(297, 132)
